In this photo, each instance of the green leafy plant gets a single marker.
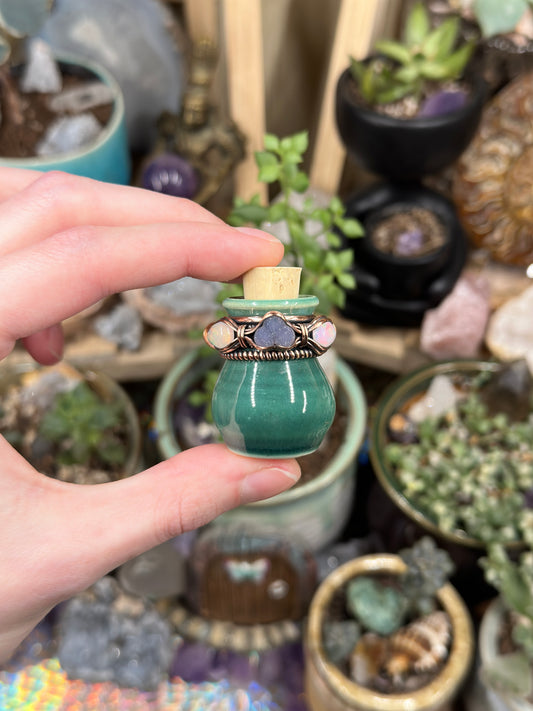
(314, 242)
(83, 427)
(405, 67)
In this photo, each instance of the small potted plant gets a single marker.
(410, 257)
(33, 133)
(506, 631)
(504, 34)
(450, 445)
(411, 108)
(388, 632)
(76, 427)
(322, 501)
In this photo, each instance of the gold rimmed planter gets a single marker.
(328, 689)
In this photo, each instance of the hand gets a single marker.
(65, 243)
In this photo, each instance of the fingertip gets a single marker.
(270, 480)
(261, 234)
(46, 346)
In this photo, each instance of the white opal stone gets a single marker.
(325, 334)
(220, 335)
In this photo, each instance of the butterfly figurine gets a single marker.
(241, 571)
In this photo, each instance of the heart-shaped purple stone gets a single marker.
(274, 332)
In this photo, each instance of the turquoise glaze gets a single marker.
(273, 409)
(107, 158)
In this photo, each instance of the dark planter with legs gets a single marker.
(396, 290)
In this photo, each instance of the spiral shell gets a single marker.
(420, 646)
(493, 180)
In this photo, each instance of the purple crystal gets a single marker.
(293, 665)
(528, 499)
(270, 669)
(233, 666)
(193, 662)
(442, 102)
(171, 175)
(409, 243)
(190, 425)
(296, 703)
(274, 332)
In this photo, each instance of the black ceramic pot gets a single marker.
(395, 290)
(405, 149)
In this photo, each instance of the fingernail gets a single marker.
(264, 483)
(253, 232)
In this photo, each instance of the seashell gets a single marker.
(492, 182)
(420, 646)
(368, 657)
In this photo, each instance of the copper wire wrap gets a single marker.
(270, 355)
(243, 347)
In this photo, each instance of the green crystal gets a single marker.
(379, 608)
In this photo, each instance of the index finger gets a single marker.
(43, 284)
(12, 180)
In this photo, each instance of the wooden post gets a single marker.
(359, 22)
(201, 19)
(243, 45)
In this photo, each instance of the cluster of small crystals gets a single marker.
(273, 332)
(470, 471)
(46, 687)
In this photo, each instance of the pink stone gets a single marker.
(220, 335)
(455, 328)
(325, 334)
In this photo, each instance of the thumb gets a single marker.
(116, 521)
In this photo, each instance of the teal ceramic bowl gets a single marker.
(316, 511)
(107, 158)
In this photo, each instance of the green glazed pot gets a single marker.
(273, 409)
(315, 511)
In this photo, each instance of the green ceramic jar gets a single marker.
(273, 408)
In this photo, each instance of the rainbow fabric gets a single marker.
(46, 687)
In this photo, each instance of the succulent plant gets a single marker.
(405, 67)
(428, 569)
(20, 19)
(81, 424)
(513, 578)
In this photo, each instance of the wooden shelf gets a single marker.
(391, 349)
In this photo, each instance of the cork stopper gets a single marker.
(268, 283)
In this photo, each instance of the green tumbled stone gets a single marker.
(378, 607)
